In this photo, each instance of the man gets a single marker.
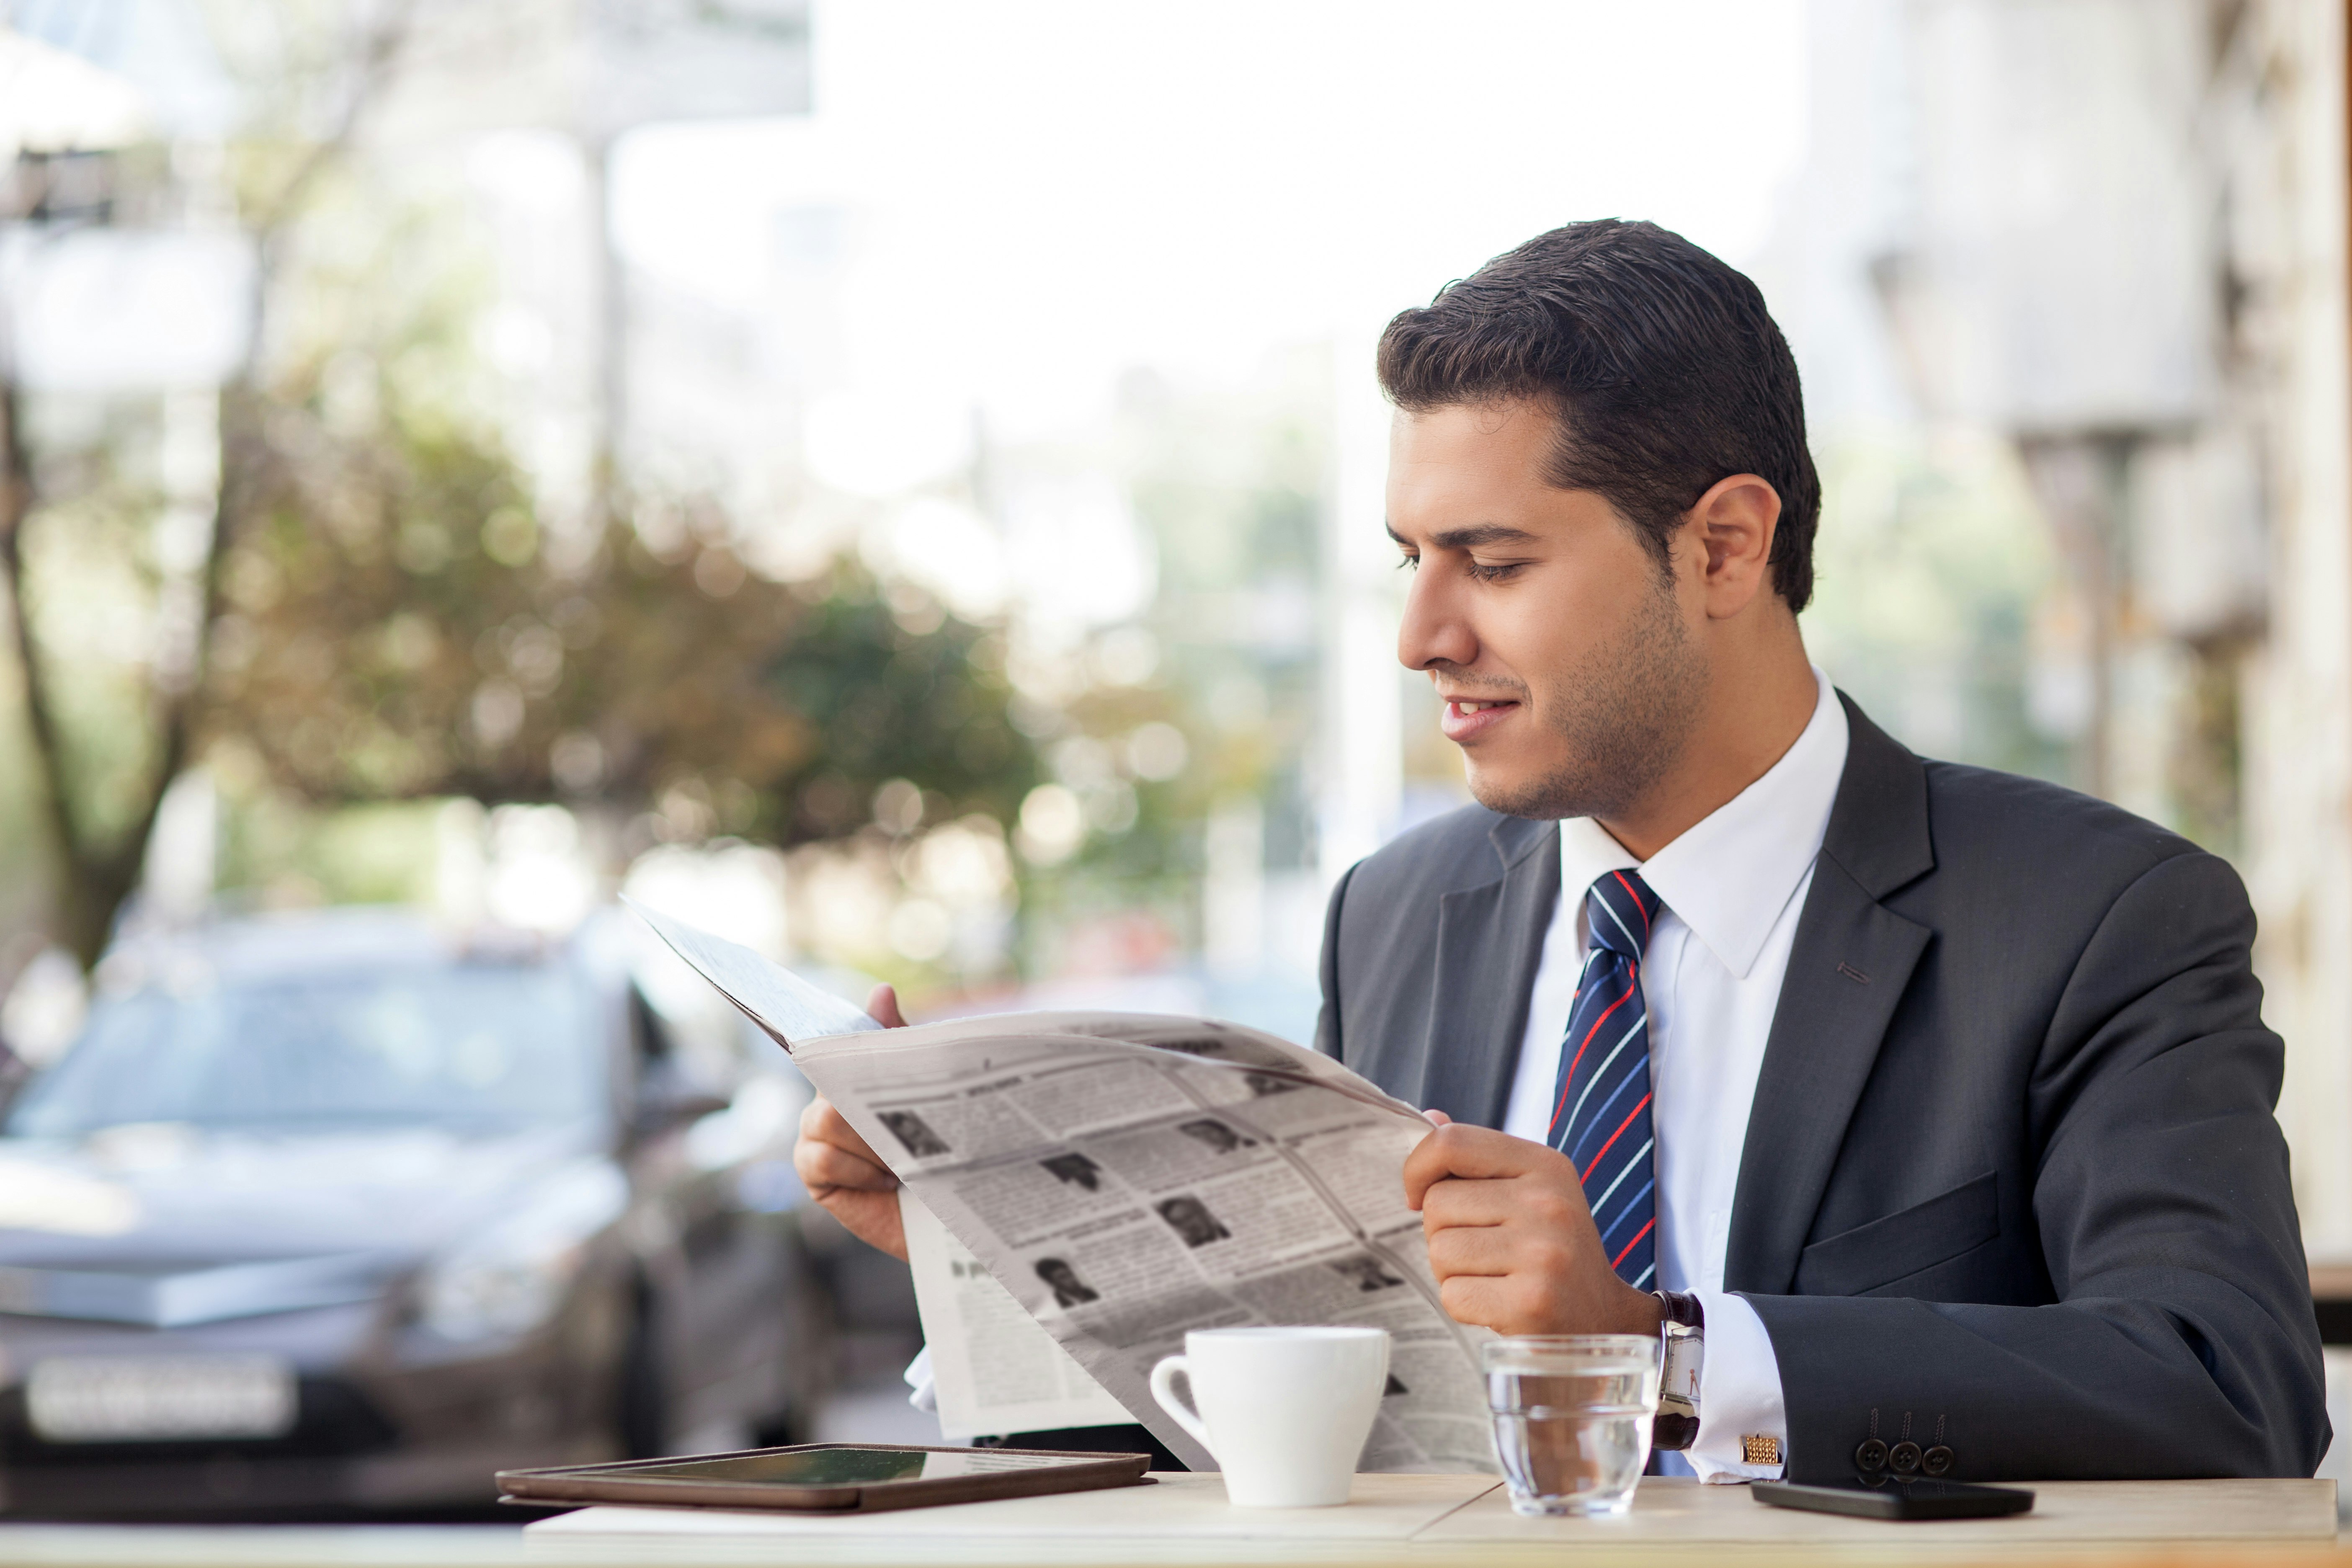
(1946, 1094)
(1936, 1102)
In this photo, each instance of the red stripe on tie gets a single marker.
(1634, 1243)
(1634, 984)
(1587, 1173)
(1637, 902)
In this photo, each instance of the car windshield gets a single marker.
(474, 1047)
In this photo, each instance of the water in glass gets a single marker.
(1572, 1418)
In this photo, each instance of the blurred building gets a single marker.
(2065, 278)
(2112, 233)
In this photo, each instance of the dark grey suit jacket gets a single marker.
(2012, 1178)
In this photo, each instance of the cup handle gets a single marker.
(1164, 1389)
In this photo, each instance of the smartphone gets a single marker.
(1897, 1500)
(825, 1475)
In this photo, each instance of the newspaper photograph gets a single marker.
(1128, 1177)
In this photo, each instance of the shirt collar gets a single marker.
(1730, 874)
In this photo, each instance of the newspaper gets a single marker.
(1128, 1177)
(994, 1368)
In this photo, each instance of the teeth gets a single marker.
(1472, 706)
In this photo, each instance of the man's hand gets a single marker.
(1511, 1240)
(841, 1169)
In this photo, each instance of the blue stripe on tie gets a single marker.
(1601, 1202)
(1600, 1116)
(1626, 1162)
(1631, 1203)
(1638, 943)
(1589, 1083)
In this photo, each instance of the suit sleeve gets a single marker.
(2182, 1340)
(1326, 1022)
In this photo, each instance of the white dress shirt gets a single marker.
(1733, 886)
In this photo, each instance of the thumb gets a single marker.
(1437, 1119)
(883, 1007)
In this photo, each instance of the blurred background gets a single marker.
(898, 482)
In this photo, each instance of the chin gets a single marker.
(1513, 793)
(1571, 785)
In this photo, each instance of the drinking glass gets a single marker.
(1572, 1418)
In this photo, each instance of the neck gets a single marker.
(1759, 702)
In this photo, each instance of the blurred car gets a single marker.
(336, 1212)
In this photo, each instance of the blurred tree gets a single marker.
(397, 623)
(379, 611)
(99, 827)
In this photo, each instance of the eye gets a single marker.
(1410, 563)
(1495, 571)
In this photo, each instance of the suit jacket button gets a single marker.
(1903, 1458)
(1871, 1456)
(1935, 1461)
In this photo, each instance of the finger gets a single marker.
(883, 1007)
(821, 1123)
(824, 1166)
(1437, 1119)
(1475, 1151)
(1480, 1302)
(1458, 1201)
(1483, 1152)
(872, 1217)
(1480, 1251)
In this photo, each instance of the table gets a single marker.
(1393, 1519)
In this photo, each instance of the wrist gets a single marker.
(1638, 1312)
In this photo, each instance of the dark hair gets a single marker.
(1660, 363)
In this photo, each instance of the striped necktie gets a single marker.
(1600, 1105)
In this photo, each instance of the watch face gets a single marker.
(1678, 1376)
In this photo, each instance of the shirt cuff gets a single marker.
(1739, 1393)
(926, 1394)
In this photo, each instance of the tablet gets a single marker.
(835, 1477)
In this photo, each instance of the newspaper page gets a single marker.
(1128, 1177)
(994, 1369)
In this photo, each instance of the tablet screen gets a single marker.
(850, 1467)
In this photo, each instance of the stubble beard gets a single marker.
(1623, 721)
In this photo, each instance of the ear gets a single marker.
(1730, 531)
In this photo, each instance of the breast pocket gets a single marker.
(1856, 1261)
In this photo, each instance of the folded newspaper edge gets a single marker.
(1128, 1177)
(789, 1008)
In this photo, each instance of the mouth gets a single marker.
(1465, 720)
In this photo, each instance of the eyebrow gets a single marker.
(1470, 538)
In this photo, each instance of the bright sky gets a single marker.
(1046, 192)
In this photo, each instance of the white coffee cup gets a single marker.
(1285, 1411)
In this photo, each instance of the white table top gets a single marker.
(1420, 1520)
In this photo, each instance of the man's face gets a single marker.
(1567, 662)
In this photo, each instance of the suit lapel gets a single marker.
(1847, 970)
(1489, 940)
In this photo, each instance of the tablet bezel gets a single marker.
(581, 1485)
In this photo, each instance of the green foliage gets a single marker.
(1932, 567)
(402, 627)
(274, 849)
(90, 604)
(894, 691)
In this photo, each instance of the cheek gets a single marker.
(1545, 640)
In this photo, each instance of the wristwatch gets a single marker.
(1683, 1351)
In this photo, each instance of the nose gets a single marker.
(1434, 630)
